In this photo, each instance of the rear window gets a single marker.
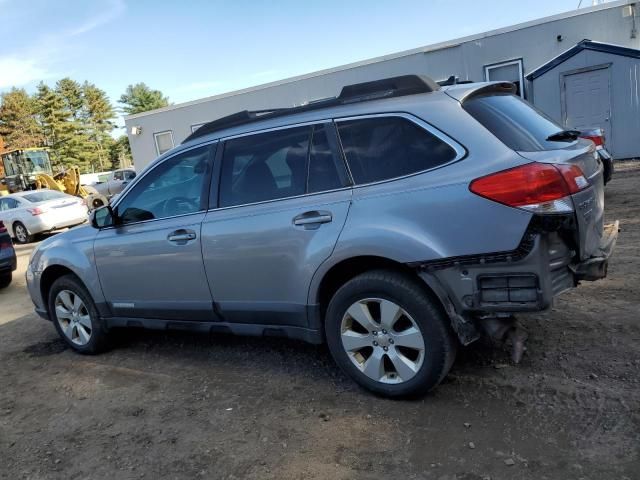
(515, 122)
(43, 196)
(382, 148)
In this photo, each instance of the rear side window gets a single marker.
(264, 166)
(44, 196)
(515, 122)
(382, 148)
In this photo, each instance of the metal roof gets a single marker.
(405, 53)
(580, 46)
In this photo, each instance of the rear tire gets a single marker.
(407, 349)
(21, 233)
(5, 279)
(76, 317)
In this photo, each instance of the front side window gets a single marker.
(118, 175)
(264, 166)
(129, 175)
(175, 187)
(164, 141)
(382, 148)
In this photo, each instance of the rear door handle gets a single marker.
(312, 219)
(181, 236)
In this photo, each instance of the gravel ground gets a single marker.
(174, 405)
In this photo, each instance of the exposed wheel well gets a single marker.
(50, 275)
(344, 271)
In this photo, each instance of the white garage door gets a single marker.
(587, 101)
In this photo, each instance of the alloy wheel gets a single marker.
(382, 340)
(21, 233)
(73, 317)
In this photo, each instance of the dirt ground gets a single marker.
(183, 406)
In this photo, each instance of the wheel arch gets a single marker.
(50, 275)
(343, 271)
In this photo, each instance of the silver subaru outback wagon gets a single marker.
(395, 222)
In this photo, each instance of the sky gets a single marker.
(191, 49)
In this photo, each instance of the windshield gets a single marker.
(37, 160)
(43, 196)
(515, 122)
(26, 162)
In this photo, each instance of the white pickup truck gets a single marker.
(115, 182)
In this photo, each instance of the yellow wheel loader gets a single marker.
(30, 169)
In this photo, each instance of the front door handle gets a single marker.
(312, 219)
(181, 236)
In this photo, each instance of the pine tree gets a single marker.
(140, 98)
(18, 125)
(62, 134)
(120, 153)
(71, 92)
(97, 115)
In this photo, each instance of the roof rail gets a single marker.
(453, 80)
(359, 92)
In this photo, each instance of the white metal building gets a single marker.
(581, 67)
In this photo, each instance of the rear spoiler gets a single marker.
(464, 92)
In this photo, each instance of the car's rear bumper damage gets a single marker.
(595, 267)
(476, 289)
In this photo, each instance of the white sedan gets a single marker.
(40, 211)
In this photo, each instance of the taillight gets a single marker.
(597, 139)
(37, 210)
(4, 243)
(596, 136)
(539, 187)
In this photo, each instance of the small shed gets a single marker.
(593, 84)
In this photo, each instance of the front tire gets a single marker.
(21, 233)
(75, 316)
(388, 335)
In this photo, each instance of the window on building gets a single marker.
(510, 71)
(164, 141)
(264, 166)
(382, 148)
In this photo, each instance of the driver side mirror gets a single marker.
(102, 217)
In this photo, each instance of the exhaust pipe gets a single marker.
(506, 331)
